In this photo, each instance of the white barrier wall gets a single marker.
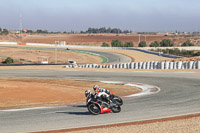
(148, 65)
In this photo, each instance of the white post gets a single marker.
(151, 65)
(162, 65)
(167, 65)
(133, 65)
(183, 65)
(148, 65)
(179, 64)
(56, 43)
(144, 65)
(198, 64)
(136, 65)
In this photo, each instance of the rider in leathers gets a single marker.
(101, 93)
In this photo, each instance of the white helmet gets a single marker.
(96, 88)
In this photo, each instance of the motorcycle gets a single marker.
(99, 105)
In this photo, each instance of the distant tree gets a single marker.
(105, 30)
(9, 60)
(126, 31)
(197, 54)
(166, 43)
(5, 31)
(128, 44)
(39, 31)
(116, 30)
(105, 44)
(116, 43)
(102, 30)
(142, 44)
(108, 30)
(187, 43)
(29, 31)
(154, 44)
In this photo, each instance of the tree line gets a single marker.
(106, 30)
(176, 51)
(163, 43)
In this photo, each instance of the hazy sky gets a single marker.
(77, 15)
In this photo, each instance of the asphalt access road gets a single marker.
(111, 57)
(179, 95)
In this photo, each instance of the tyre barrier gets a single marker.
(146, 65)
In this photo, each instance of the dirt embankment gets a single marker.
(31, 55)
(20, 93)
(96, 39)
(90, 39)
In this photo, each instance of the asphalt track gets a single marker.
(111, 57)
(179, 95)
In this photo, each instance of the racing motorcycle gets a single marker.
(100, 105)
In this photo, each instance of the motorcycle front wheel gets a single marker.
(116, 109)
(94, 109)
(118, 100)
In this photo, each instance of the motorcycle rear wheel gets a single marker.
(94, 109)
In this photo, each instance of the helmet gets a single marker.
(87, 92)
(107, 91)
(96, 88)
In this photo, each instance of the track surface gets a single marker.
(179, 95)
(111, 57)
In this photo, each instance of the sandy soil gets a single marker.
(189, 125)
(31, 55)
(97, 39)
(20, 93)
